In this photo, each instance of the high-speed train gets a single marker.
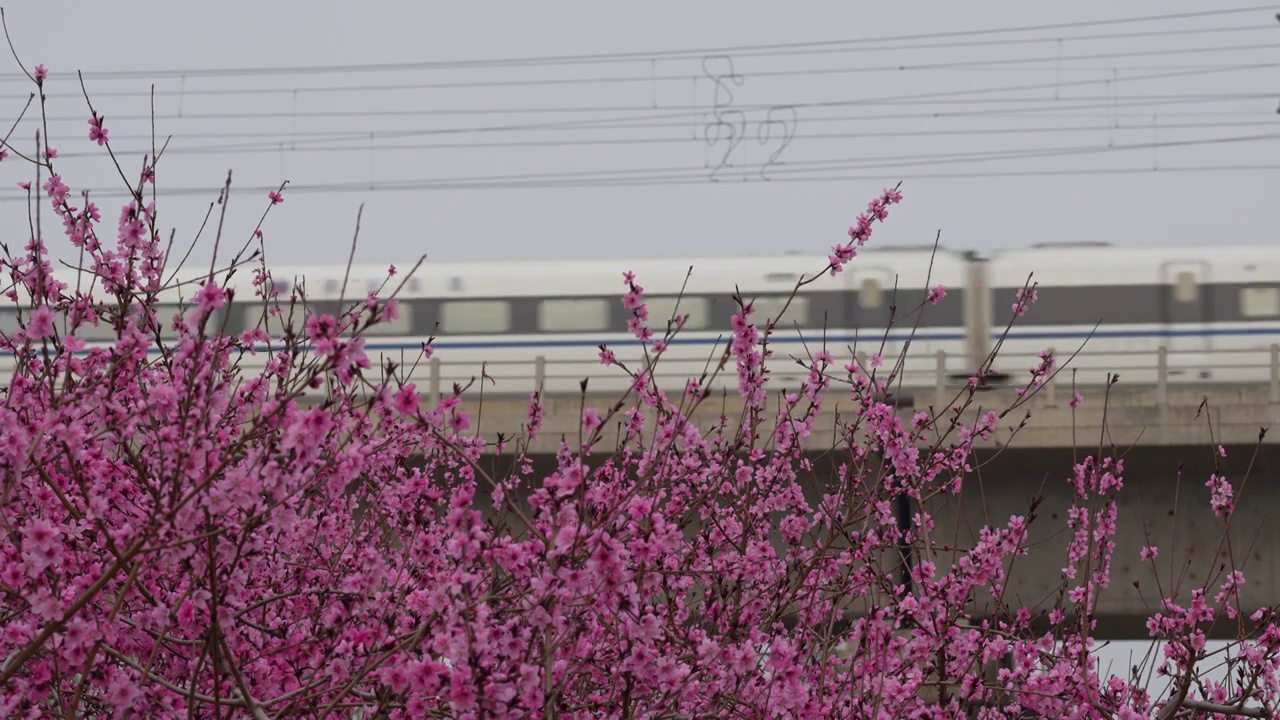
(1197, 314)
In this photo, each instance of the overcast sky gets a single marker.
(998, 137)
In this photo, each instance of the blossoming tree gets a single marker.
(182, 535)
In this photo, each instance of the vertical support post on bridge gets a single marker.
(1275, 373)
(905, 553)
(1162, 384)
(435, 380)
(940, 385)
(1050, 386)
(539, 373)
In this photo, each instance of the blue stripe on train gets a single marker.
(835, 338)
(585, 343)
(1121, 334)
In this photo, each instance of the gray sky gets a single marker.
(859, 122)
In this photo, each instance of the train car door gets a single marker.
(817, 311)
(1187, 319)
(871, 293)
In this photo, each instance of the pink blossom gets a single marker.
(40, 536)
(97, 132)
(122, 693)
(406, 400)
(41, 323)
(321, 327)
(1222, 501)
(276, 198)
(860, 232)
(210, 297)
(1024, 300)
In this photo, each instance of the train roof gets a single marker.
(508, 278)
(1050, 265)
(1110, 265)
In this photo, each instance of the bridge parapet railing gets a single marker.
(1161, 371)
(1168, 374)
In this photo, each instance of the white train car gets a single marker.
(544, 320)
(521, 322)
(524, 322)
(103, 333)
(1215, 311)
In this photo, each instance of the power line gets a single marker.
(997, 64)
(309, 140)
(904, 177)
(632, 55)
(271, 141)
(681, 110)
(277, 146)
(423, 186)
(299, 137)
(685, 110)
(317, 143)
(680, 174)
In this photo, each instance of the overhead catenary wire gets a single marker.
(972, 103)
(992, 63)
(675, 116)
(644, 54)
(271, 141)
(274, 146)
(428, 185)
(679, 174)
(679, 111)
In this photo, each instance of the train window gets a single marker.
(1185, 288)
(9, 325)
(104, 330)
(869, 296)
(475, 316)
(279, 287)
(164, 318)
(399, 326)
(782, 277)
(573, 315)
(768, 307)
(256, 314)
(696, 309)
(1260, 302)
(9, 322)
